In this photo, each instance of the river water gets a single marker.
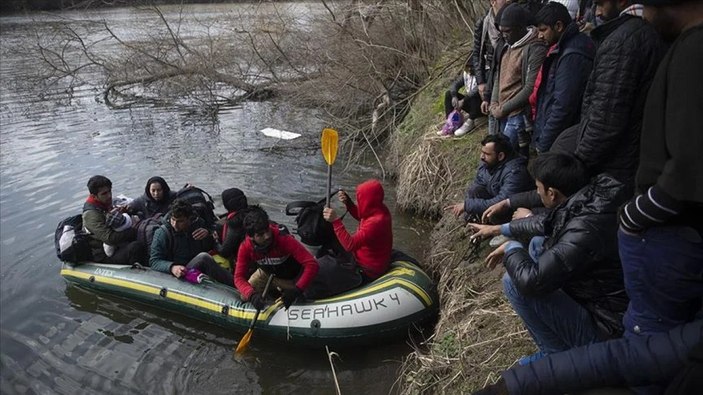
(56, 338)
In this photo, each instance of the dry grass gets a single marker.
(478, 334)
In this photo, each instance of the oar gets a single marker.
(244, 343)
(330, 140)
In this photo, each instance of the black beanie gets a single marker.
(514, 15)
(234, 199)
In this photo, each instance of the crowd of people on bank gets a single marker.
(590, 184)
(590, 187)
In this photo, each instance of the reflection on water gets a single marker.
(60, 339)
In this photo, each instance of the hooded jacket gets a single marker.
(580, 254)
(145, 206)
(628, 53)
(285, 257)
(372, 242)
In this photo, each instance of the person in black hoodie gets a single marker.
(232, 233)
(568, 287)
(156, 199)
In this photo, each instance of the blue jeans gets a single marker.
(663, 270)
(536, 247)
(555, 321)
(511, 127)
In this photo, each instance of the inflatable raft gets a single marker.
(385, 308)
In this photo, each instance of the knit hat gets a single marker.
(118, 221)
(233, 199)
(513, 15)
(571, 5)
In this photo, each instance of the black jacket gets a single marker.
(628, 53)
(580, 256)
(482, 55)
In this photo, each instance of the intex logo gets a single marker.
(104, 272)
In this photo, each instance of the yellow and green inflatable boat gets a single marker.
(385, 308)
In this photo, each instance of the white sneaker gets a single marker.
(465, 128)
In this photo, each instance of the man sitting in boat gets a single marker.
(274, 253)
(180, 246)
(95, 210)
(232, 233)
(372, 243)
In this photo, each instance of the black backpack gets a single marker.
(311, 226)
(146, 229)
(71, 241)
(202, 203)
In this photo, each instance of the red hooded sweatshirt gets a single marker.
(372, 243)
(286, 257)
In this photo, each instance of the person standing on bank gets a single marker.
(371, 244)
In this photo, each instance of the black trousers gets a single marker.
(134, 252)
(471, 105)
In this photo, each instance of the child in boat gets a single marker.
(119, 222)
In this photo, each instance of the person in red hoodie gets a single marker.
(273, 253)
(372, 243)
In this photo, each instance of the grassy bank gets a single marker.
(478, 334)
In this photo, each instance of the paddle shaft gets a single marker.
(329, 185)
(263, 295)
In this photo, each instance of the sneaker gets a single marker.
(465, 128)
(528, 359)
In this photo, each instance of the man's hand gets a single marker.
(343, 197)
(200, 233)
(522, 213)
(485, 107)
(290, 296)
(257, 301)
(496, 257)
(178, 270)
(456, 209)
(497, 111)
(329, 214)
(481, 231)
(459, 104)
(455, 101)
(481, 89)
(495, 209)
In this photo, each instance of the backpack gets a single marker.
(71, 241)
(146, 229)
(202, 203)
(311, 226)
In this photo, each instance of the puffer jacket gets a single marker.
(94, 222)
(482, 55)
(502, 181)
(145, 206)
(628, 53)
(638, 361)
(580, 254)
(565, 72)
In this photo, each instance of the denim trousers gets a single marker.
(511, 127)
(555, 321)
(663, 269)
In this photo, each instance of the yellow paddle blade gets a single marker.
(330, 140)
(244, 343)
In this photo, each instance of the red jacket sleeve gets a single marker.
(242, 269)
(310, 266)
(352, 243)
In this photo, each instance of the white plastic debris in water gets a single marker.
(279, 134)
